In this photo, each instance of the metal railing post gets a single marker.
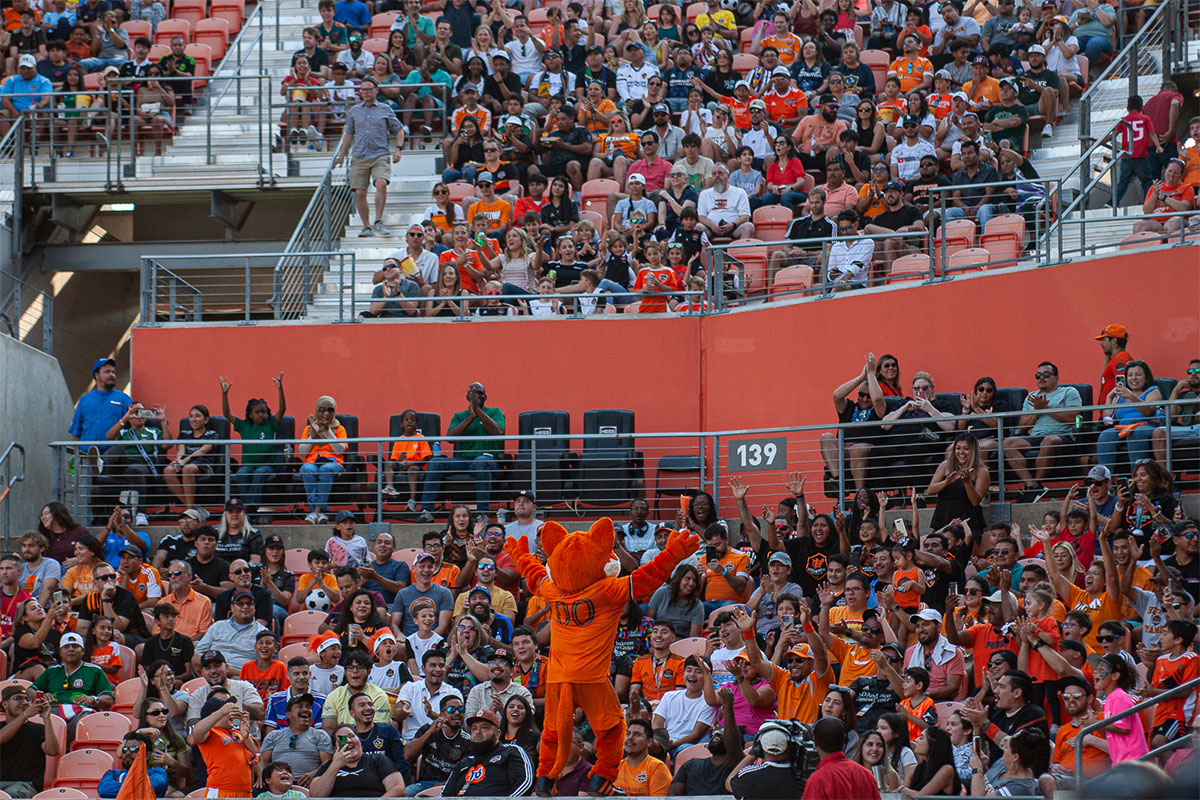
(227, 458)
(1000, 454)
(246, 313)
(1133, 66)
(717, 278)
(533, 465)
(841, 474)
(716, 471)
(379, 451)
(48, 325)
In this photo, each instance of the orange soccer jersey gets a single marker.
(411, 451)
(583, 627)
(272, 679)
(923, 710)
(665, 276)
(1171, 672)
(657, 679)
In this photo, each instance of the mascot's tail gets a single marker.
(564, 724)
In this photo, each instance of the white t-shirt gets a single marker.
(720, 672)
(358, 66)
(387, 676)
(420, 647)
(353, 552)
(526, 58)
(680, 713)
(690, 120)
(340, 97)
(416, 693)
(724, 206)
(1154, 619)
(427, 262)
(906, 158)
(324, 681)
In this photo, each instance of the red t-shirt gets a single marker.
(1135, 134)
(1158, 109)
(525, 204)
(8, 607)
(837, 777)
(1180, 191)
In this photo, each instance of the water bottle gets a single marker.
(1078, 422)
(501, 515)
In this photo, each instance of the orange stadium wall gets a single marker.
(769, 366)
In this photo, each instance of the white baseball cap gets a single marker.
(636, 177)
(27, 60)
(773, 742)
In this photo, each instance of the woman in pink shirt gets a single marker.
(1126, 738)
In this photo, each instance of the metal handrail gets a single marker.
(15, 300)
(10, 482)
(1182, 689)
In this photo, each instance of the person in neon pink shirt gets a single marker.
(1126, 738)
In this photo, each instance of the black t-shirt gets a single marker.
(701, 776)
(558, 155)
(873, 698)
(723, 83)
(212, 573)
(285, 580)
(861, 160)
(564, 274)
(441, 753)
(1190, 573)
(246, 544)
(1042, 77)
(917, 190)
(895, 220)
(48, 69)
(22, 758)
(810, 563)
(768, 781)
(26, 43)
(1016, 135)
(491, 87)
(616, 269)
(195, 442)
(808, 228)
(124, 604)
(364, 780)
(47, 653)
(937, 584)
(176, 651)
(852, 413)
(554, 216)
(177, 548)
(316, 62)
(1027, 716)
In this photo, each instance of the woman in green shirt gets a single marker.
(258, 460)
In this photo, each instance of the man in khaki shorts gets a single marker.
(368, 126)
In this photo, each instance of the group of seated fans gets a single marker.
(959, 657)
(52, 47)
(701, 119)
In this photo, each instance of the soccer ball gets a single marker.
(318, 600)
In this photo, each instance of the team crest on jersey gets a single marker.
(817, 565)
(377, 744)
(494, 759)
(77, 683)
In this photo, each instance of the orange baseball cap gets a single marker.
(1115, 331)
(801, 650)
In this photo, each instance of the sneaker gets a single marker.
(313, 134)
(366, 233)
(311, 519)
(1047, 132)
(390, 491)
(140, 520)
(411, 505)
(425, 516)
(603, 787)
(380, 229)
(322, 518)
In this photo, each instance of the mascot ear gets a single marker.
(602, 534)
(553, 535)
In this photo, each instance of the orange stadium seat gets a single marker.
(771, 222)
(375, 45)
(790, 280)
(172, 27)
(191, 10)
(745, 39)
(82, 770)
(300, 626)
(214, 33)
(694, 10)
(686, 755)
(1004, 238)
(102, 731)
(688, 647)
(406, 554)
(137, 28)
(204, 59)
(381, 24)
(744, 62)
(878, 61)
(538, 21)
(59, 726)
(296, 559)
(970, 259)
(596, 219)
(232, 10)
(64, 793)
(290, 651)
(595, 194)
(912, 267)
(1137, 241)
(124, 693)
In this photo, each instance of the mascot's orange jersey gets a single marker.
(583, 627)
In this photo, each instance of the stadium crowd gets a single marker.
(958, 656)
(619, 141)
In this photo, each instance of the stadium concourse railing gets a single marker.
(614, 465)
(26, 313)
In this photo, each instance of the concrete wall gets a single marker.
(35, 409)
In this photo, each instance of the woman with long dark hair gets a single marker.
(357, 623)
(961, 483)
(785, 177)
(839, 703)
(1026, 757)
(560, 213)
(193, 457)
(701, 512)
(894, 730)
(77, 582)
(887, 370)
(873, 751)
(168, 748)
(520, 727)
(679, 602)
(61, 531)
(935, 773)
(632, 642)
(457, 535)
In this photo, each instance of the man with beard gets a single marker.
(816, 133)
(479, 605)
(353, 773)
(706, 776)
(491, 769)
(496, 693)
(947, 670)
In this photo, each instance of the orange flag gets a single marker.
(137, 782)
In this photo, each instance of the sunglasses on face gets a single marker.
(325, 410)
(454, 709)
(486, 567)
(241, 571)
(158, 712)
(1193, 371)
(109, 577)
(1040, 375)
(1073, 696)
(893, 659)
(1106, 639)
(174, 573)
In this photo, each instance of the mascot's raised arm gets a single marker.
(586, 598)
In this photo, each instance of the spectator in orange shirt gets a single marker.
(784, 101)
(497, 212)
(409, 456)
(641, 774)
(983, 91)
(913, 71)
(783, 40)
(322, 453)
(727, 572)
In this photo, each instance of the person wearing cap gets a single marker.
(424, 269)
(74, 682)
(503, 92)
(424, 567)
(475, 455)
(1113, 339)
(983, 91)
(899, 217)
(941, 99)
(490, 768)
(139, 577)
(1040, 90)
(906, 155)
(238, 538)
(525, 522)
(635, 203)
(800, 687)
(966, 128)
(739, 102)
(785, 104)
(551, 82)
(241, 573)
(235, 637)
(222, 733)
(104, 406)
(110, 44)
(25, 744)
(943, 661)
(634, 75)
(819, 132)
(215, 671)
(1007, 120)
(500, 687)
(760, 77)
(440, 745)
(921, 192)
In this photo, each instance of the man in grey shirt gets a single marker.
(368, 126)
(526, 522)
(301, 746)
(1044, 432)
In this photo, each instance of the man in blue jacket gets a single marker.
(110, 783)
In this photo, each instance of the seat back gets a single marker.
(686, 755)
(553, 429)
(1010, 398)
(692, 646)
(173, 27)
(124, 693)
(791, 279)
(744, 62)
(771, 222)
(754, 262)
(694, 10)
(596, 219)
(232, 10)
(878, 61)
(594, 196)
(296, 560)
(912, 267)
(137, 28)
(350, 423)
(745, 40)
(101, 731)
(82, 769)
(381, 24)
(617, 423)
(969, 259)
(1139, 240)
(214, 33)
(957, 230)
(128, 662)
(59, 726)
(191, 10)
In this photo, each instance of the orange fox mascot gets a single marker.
(586, 600)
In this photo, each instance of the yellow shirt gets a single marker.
(502, 600)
